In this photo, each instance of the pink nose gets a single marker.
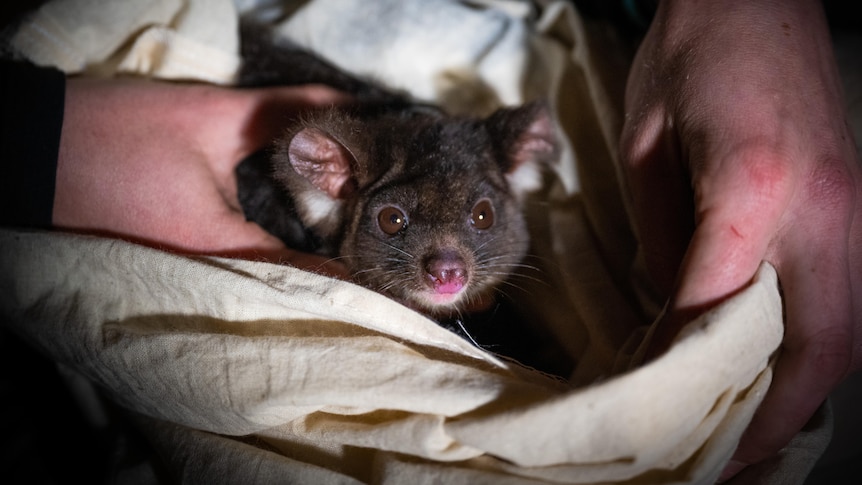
(446, 272)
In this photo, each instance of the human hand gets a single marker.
(154, 162)
(736, 150)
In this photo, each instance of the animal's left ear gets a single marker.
(526, 141)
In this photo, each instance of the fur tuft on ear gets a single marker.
(318, 170)
(527, 143)
(323, 161)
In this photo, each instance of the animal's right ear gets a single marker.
(324, 161)
(526, 137)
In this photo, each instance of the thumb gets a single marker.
(738, 213)
(252, 242)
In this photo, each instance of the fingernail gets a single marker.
(731, 469)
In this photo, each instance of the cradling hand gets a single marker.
(737, 150)
(154, 162)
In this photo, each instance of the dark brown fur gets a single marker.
(346, 172)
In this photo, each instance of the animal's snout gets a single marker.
(446, 271)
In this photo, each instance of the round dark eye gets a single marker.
(483, 214)
(391, 220)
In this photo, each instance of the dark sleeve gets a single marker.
(31, 117)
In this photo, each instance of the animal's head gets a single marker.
(422, 207)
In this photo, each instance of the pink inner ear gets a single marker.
(537, 143)
(324, 161)
(530, 135)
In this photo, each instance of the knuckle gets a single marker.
(832, 186)
(767, 172)
(830, 355)
(640, 138)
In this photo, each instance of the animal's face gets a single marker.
(423, 208)
(437, 240)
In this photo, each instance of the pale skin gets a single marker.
(154, 162)
(737, 150)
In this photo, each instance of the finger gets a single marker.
(314, 263)
(273, 108)
(804, 376)
(271, 249)
(250, 241)
(661, 198)
(817, 348)
(717, 265)
(740, 203)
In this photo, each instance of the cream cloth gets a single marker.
(257, 373)
(169, 39)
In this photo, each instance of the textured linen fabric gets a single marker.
(305, 362)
